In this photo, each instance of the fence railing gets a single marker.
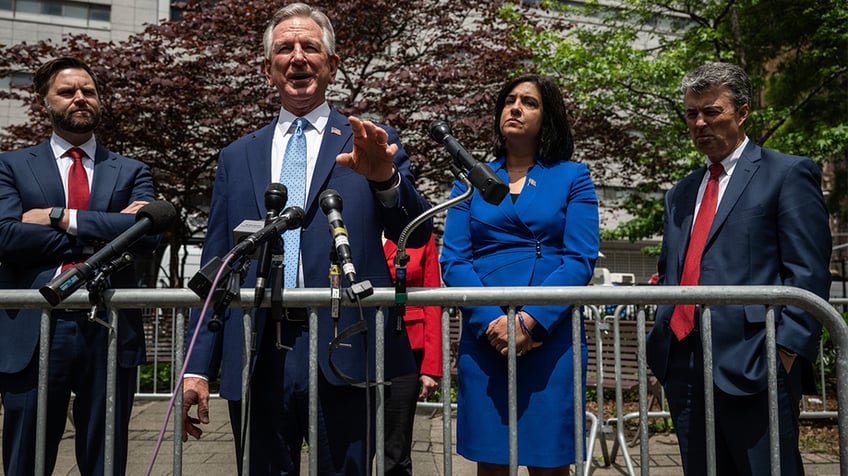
(182, 299)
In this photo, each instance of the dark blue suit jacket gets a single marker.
(244, 171)
(30, 254)
(771, 228)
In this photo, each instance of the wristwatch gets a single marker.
(56, 216)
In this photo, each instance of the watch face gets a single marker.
(56, 215)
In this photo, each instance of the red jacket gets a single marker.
(423, 323)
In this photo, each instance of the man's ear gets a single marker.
(266, 65)
(743, 114)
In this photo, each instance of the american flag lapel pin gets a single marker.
(531, 182)
(335, 131)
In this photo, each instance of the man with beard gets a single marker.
(59, 202)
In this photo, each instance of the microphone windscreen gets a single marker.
(329, 200)
(161, 213)
(276, 196)
(439, 130)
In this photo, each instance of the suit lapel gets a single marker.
(745, 168)
(46, 174)
(106, 169)
(515, 212)
(259, 162)
(337, 134)
(685, 209)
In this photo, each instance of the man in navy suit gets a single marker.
(40, 231)
(366, 164)
(770, 227)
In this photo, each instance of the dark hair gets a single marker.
(45, 73)
(712, 75)
(555, 142)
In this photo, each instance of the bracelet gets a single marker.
(386, 184)
(524, 326)
(537, 334)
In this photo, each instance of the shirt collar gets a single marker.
(317, 118)
(61, 147)
(729, 162)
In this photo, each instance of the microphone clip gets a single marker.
(223, 295)
(401, 258)
(359, 290)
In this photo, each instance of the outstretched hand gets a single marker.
(372, 155)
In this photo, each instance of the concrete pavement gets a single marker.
(214, 454)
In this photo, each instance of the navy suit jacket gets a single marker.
(244, 172)
(30, 254)
(770, 228)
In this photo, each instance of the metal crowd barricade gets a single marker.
(505, 296)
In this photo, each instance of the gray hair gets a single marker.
(300, 10)
(720, 74)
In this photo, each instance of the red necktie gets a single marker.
(683, 318)
(78, 192)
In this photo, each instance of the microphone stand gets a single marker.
(335, 290)
(97, 284)
(401, 258)
(278, 277)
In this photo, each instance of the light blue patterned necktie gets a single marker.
(293, 176)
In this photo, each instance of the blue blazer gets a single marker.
(771, 228)
(244, 172)
(30, 254)
(549, 237)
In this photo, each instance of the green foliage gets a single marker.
(163, 377)
(621, 64)
(828, 356)
(436, 397)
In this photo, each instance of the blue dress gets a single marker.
(548, 237)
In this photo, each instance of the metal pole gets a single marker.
(709, 397)
(771, 363)
(579, 391)
(111, 387)
(41, 401)
(447, 438)
(512, 393)
(179, 358)
(313, 392)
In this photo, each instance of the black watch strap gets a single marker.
(56, 216)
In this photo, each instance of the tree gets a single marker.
(176, 93)
(623, 68)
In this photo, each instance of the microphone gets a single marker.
(289, 219)
(153, 218)
(331, 204)
(276, 196)
(484, 179)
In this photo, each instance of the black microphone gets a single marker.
(491, 187)
(331, 204)
(290, 219)
(155, 217)
(276, 196)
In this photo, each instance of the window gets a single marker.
(60, 8)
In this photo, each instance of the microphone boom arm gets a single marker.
(401, 257)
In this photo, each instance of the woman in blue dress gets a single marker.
(545, 233)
